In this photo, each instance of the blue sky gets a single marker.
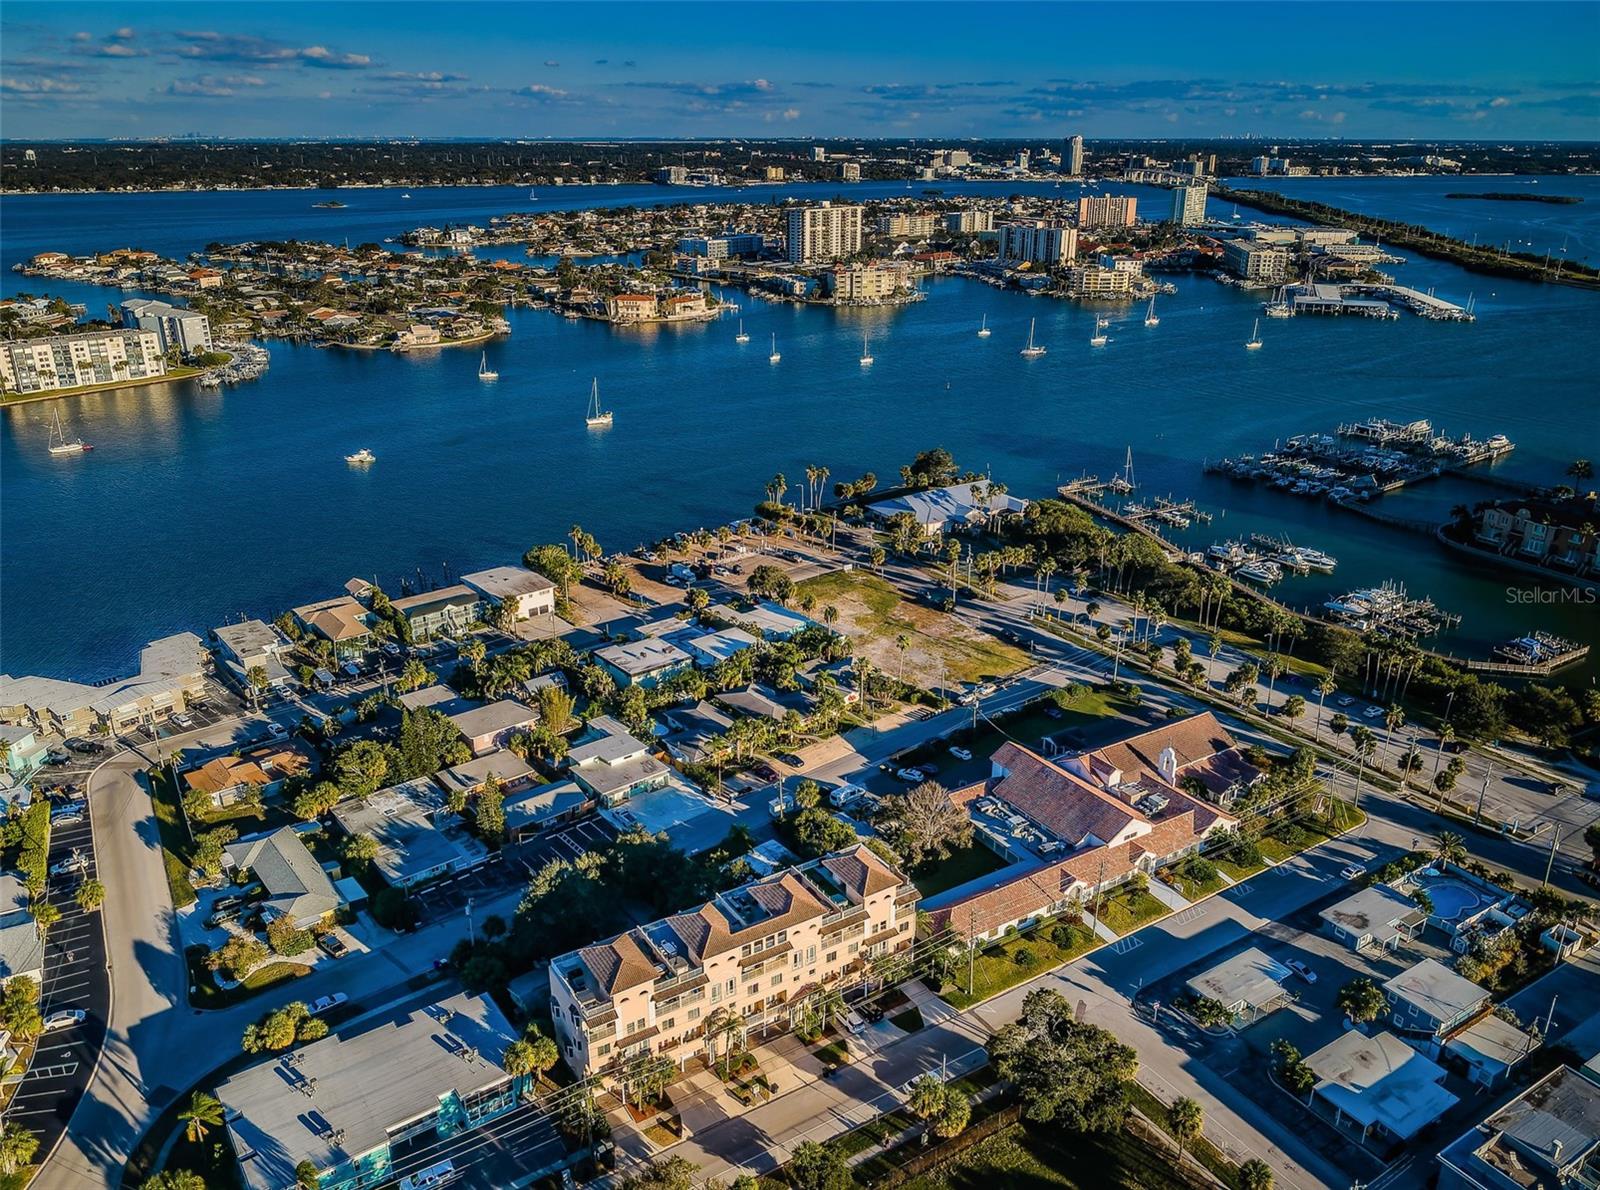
(1442, 70)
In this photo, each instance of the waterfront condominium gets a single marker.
(1189, 205)
(1038, 243)
(823, 233)
(69, 361)
(1107, 210)
(179, 328)
(751, 959)
(1072, 158)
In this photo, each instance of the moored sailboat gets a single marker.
(596, 417)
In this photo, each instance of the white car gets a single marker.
(910, 775)
(1300, 969)
(73, 863)
(182, 720)
(277, 730)
(1353, 871)
(1345, 700)
(65, 1019)
(1373, 713)
(853, 1023)
(441, 1174)
(845, 795)
(960, 753)
(323, 1003)
(391, 649)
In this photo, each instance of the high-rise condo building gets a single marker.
(1072, 158)
(1109, 210)
(823, 233)
(1189, 205)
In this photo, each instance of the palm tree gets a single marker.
(1451, 848)
(203, 1112)
(1325, 687)
(1274, 666)
(1046, 570)
(1213, 646)
(902, 642)
(1186, 1118)
(1393, 720)
(1581, 469)
(830, 615)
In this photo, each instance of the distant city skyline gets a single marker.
(1436, 71)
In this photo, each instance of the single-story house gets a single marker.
(24, 756)
(1429, 1000)
(296, 885)
(1378, 1083)
(21, 950)
(504, 765)
(709, 648)
(771, 621)
(529, 591)
(1545, 1138)
(487, 728)
(950, 509)
(762, 702)
(447, 610)
(551, 679)
(418, 838)
(690, 730)
(1489, 1047)
(224, 778)
(1249, 985)
(1376, 916)
(539, 808)
(436, 697)
(643, 662)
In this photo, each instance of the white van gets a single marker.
(441, 1174)
(845, 795)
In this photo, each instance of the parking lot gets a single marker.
(506, 869)
(75, 977)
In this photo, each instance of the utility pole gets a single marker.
(1555, 841)
(1477, 815)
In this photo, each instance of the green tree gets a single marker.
(818, 832)
(202, 1113)
(556, 709)
(819, 1167)
(19, 1008)
(1360, 1000)
(287, 938)
(1064, 1069)
(316, 800)
(1255, 1174)
(924, 824)
(1185, 1120)
(1451, 848)
(927, 1097)
(236, 957)
(45, 916)
(17, 1147)
(174, 1179)
(954, 1115)
(90, 896)
(488, 810)
(306, 1176)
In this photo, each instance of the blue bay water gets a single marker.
(197, 506)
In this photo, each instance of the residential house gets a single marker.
(1489, 1048)
(341, 620)
(443, 612)
(951, 509)
(24, 756)
(1547, 1138)
(21, 948)
(706, 649)
(487, 728)
(350, 1104)
(1429, 1001)
(767, 620)
(1378, 1084)
(631, 307)
(1249, 985)
(763, 702)
(248, 645)
(643, 662)
(1376, 916)
(296, 885)
(527, 590)
(692, 729)
(612, 764)
(757, 954)
(418, 837)
(224, 779)
(502, 764)
(534, 809)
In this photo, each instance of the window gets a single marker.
(753, 990)
(603, 1050)
(811, 954)
(852, 948)
(832, 957)
(716, 993)
(694, 1014)
(636, 1026)
(668, 1023)
(776, 980)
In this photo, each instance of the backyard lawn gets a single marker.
(874, 612)
(958, 867)
(1039, 1156)
(1021, 956)
(207, 993)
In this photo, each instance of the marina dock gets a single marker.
(1367, 299)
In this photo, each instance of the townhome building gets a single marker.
(748, 961)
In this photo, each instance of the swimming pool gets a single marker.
(1453, 900)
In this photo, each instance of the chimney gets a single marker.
(1167, 762)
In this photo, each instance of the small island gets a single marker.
(332, 204)
(1504, 196)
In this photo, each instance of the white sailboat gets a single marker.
(405, 196)
(1150, 318)
(596, 418)
(1098, 339)
(775, 356)
(1255, 337)
(983, 328)
(866, 353)
(532, 197)
(60, 444)
(1032, 350)
(485, 372)
(741, 337)
(361, 458)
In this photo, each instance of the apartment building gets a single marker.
(179, 329)
(849, 171)
(865, 284)
(823, 233)
(1038, 243)
(1107, 210)
(970, 222)
(1072, 156)
(1256, 263)
(91, 357)
(754, 955)
(1091, 281)
(908, 225)
(1189, 205)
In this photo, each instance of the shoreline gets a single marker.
(63, 394)
(483, 338)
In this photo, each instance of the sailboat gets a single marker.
(405, 196)
(532, 197)
(1098, 339)
(741, 337)
(1150, 318)
(485, 372)
(866, 353)
(595, 418)
(774, 357)
(1255, 336)
(983, 328)
(61, 445)
(1032, 350)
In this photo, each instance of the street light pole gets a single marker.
(1555, 841)
(1477, 815)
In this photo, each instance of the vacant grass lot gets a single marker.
(1038, 1156)
(875, 613)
